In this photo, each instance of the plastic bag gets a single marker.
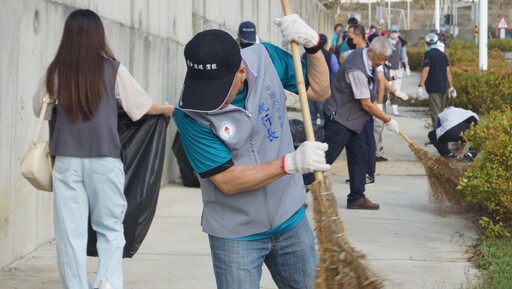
(299, 134)
(143, 144)
(143, 153)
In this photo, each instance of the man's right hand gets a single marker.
(392, 125)
(309, 157)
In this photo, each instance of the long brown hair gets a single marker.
(76, 73)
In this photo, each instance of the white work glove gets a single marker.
(293, 28)
(392, 125)
(421, 93)
(380, 106)
(407, 71)
(309, 157)
(401, 95)
(452, 93)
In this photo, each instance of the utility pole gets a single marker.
(437, 15)
(482, 35)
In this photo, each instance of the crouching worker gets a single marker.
(451, 124)
(233, 123)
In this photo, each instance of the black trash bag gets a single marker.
(299, 134)
(188, 176)
(143, 144)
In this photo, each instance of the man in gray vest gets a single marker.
(399, 62)
(233, 123)
(350, 109)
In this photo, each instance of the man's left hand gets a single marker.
(401, 95)
(293, 28)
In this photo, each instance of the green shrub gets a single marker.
(415, 56)
(487, 183)
(480, 91)
(504, 45)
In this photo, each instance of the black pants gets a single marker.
(451, 135)
(338, 137)
(371, 148)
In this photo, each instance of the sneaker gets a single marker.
(369, 180)
(381, 159)
(429, 144)
(468, 157)
(450, 156)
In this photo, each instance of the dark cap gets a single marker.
(247, 32)
(323, 39)
(213, 59)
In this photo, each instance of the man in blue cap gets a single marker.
(247, 34)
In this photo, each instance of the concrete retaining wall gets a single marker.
(147, 36)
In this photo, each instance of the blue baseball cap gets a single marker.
(247, 32)
(323, 39)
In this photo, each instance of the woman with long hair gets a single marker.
(87, 84)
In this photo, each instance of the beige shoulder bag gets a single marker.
(37, 163)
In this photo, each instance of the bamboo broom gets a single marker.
(443, 176)
(340, 265)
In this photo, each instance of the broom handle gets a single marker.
(405, 137)
(301, 87)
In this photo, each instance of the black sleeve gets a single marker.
(217, 170)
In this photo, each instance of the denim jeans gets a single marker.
(290, 257)
(337, 136)
(84, 186)
(316, 110)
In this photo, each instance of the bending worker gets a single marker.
(451, 124)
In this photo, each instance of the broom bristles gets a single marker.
(443, 178)
(340, 265)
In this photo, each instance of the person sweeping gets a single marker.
(235, 131)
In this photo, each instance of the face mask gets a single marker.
(350, 43)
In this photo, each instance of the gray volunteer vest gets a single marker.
(97, 137)
(348, 109)
(254, 136)
(396, 57)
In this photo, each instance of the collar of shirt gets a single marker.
(432, 47)
(367, 62)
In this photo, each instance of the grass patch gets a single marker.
(494, 260)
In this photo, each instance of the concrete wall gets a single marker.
(148, 36)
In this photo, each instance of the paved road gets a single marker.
(406, 242)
